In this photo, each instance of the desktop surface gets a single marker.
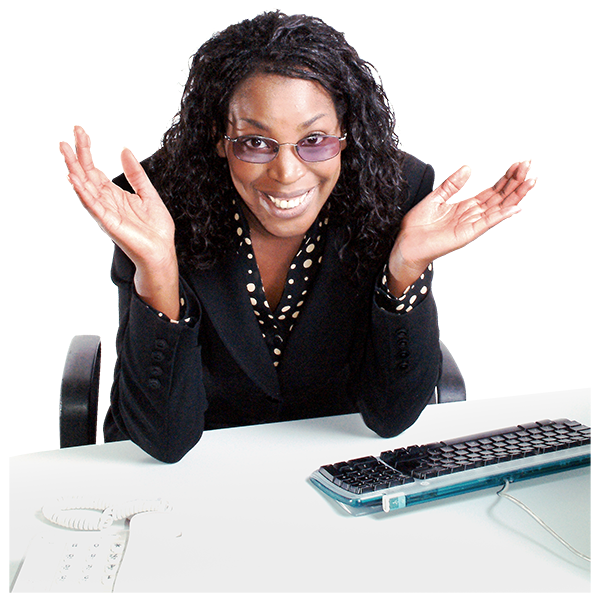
(251, 521)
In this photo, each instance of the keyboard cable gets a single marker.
(502, 493)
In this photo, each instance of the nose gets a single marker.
(287, 167)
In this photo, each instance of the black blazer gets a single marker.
(345, 354)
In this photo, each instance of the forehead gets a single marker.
(273, 101)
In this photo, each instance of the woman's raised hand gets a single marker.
(139, 223)
(435, 227)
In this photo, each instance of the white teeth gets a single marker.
(287, 203)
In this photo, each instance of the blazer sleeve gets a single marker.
(154, 400)
(402, 357)
(400, 369)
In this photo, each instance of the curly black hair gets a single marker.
(194, 181)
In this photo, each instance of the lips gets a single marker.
(288, 201)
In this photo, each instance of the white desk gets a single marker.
(253, 523)
(247, 509)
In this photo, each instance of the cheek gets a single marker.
(331, 173)
(246, 176)
(243, 174)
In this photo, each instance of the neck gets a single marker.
(274, 257)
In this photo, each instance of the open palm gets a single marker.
(139, 223)
(436, 227)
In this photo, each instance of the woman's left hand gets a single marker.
(436, 227)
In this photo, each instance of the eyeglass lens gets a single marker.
(314, 148)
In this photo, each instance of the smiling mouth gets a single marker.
(288, 203)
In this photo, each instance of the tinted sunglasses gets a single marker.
(313, 148)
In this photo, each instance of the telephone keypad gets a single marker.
(79, 562)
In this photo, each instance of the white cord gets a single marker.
(502, 493)
(58, 512)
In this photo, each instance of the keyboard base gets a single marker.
(419, 492)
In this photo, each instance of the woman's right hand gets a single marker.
(139, 223)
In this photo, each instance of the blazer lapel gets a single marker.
(221, 291)
(322, 322)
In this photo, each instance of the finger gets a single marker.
(453, 184)
(516, 187)
(85, 188)
(505, 186)
(71, 160)
(76, 169)
(497, 212)
(483, 216)
(508, 175)
(506, 183)
(515, 175)
(136, 175)
(88, 197)
(84, 155)
(475, 226)
(518, 193)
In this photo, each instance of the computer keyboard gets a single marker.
(416, 474)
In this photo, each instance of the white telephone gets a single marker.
(89, 556)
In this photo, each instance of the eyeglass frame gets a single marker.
(279, 144)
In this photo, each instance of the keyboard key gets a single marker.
(401, 466)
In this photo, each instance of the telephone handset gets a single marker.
(89, 556)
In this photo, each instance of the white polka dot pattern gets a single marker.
(276, 324)
(412, 296)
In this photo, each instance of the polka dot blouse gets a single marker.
(411, 297)
(276, 325)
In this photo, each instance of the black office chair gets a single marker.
(82, 392)
(451, 384)
(81, 380)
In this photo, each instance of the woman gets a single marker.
(274, 257)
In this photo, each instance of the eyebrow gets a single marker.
(262, 127)
(308, 123)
